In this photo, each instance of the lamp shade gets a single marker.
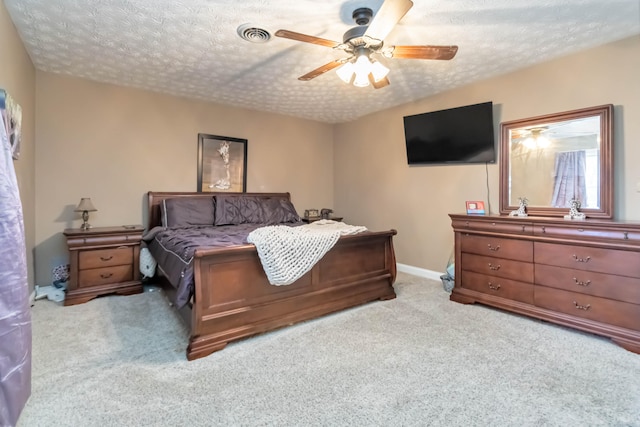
(85, 205)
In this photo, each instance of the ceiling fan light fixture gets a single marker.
(536, 140)
(367, 39)
(345, 72)
(362, 68)
(361, 80)
(362, 65)
(378, 71)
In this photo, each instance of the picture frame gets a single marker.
(475, 207)
(222, 164)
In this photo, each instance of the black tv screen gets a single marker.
(456, 135)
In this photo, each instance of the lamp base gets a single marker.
(85, 225)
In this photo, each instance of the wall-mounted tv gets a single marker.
(453, 136)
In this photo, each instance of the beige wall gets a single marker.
(17, 76)
(114, 144)
(374, 185)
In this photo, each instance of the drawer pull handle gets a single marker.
(494, 267)
(492, 248)
(581, 259)
(582, 307)
(106, 275)
(106, 258)
(494, 287)
(581, 283)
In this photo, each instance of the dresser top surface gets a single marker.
(93, 231)
(548, 220)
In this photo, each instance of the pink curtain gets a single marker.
(15, 315)
(569, 182)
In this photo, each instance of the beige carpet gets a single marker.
(414, 361)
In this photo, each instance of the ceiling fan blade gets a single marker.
(306, 38)
(389, 14)
(321, 70)
(378, 84)
(424, 52)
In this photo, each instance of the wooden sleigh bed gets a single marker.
(232, 298)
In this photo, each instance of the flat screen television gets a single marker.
(453, 136)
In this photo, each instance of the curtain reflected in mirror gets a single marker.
(569, 181)
(551, 160)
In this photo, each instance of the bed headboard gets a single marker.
(155, 198)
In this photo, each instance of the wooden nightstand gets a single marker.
(104, 260)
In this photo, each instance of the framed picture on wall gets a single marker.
(222, 163)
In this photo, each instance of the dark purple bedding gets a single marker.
(173, 249)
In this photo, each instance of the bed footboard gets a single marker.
(233, 298)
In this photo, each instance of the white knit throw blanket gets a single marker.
(287, 253)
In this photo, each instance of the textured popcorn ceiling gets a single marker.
(190, 48)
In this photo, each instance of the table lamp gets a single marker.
(85, 206)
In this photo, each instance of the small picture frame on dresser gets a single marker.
(475, 207)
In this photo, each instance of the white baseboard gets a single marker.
(420, 272)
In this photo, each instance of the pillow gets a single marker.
(187, 211)
(234, 209)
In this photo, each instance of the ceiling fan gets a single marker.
(367, 39)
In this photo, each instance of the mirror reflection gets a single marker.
(553, 159)
(555, 162)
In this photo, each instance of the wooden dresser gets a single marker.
(103, 260)
(582, 274)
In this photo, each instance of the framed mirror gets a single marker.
(553, 159)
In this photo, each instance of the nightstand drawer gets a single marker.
(105, 257)
(102, 276)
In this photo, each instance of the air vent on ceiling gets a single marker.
(253, 34)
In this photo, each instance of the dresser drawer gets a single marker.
(588, 232)
(588, 282)
(498, 286)
(507, 268)
(519, 250)
(610, 261)
(105, 275)
(105, 257)
(516, 226)
(589, 307)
